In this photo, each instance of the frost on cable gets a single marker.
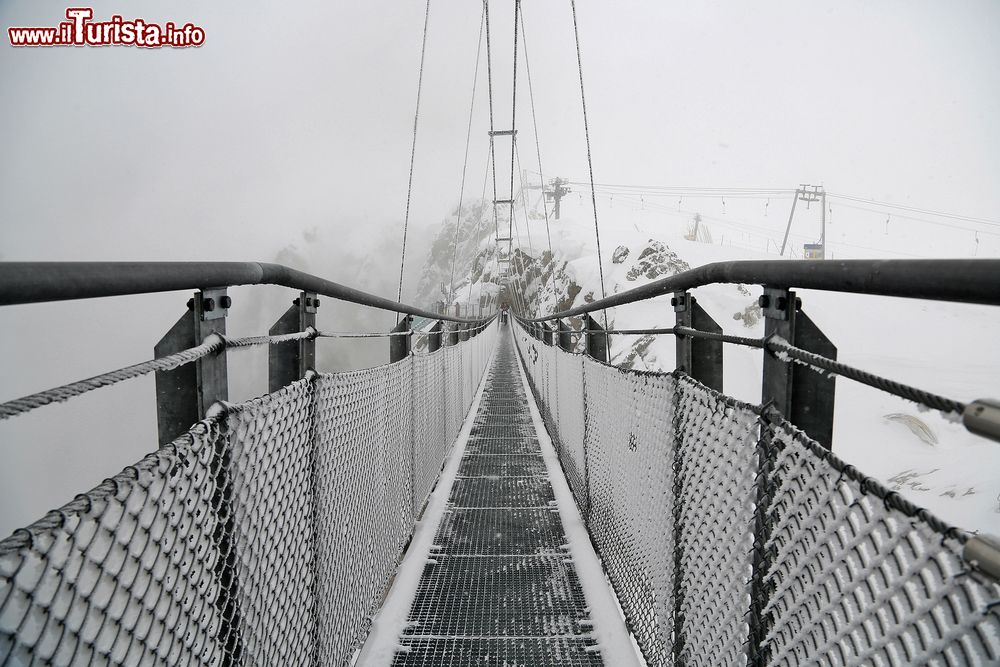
(828, 569)
(265, 535)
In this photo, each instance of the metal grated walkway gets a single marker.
(500, 587)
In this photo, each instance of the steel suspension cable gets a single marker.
(527, 226)
(413, 153)
(479, 228)
(465, 163)
(534, 123)
(590, 162)
(513, 131)
(489, 80)
(524, 273)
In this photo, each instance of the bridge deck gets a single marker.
(500, 586)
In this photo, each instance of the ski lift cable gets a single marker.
(413, 152)
(923, 220)
(915, 209)
(465, 163)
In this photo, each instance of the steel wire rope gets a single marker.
(413, 153)
(465, 163)
(479, 228)
(916, 209)
(527, 226)
(513, 132)
(213, 344)
(534, 123)
(590, 162)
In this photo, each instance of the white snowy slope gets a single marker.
(949, 349)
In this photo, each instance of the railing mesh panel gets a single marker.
(265, 535)
(733, 539)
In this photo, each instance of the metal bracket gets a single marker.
(804, 397)
(983, 553)
(565, 336)
(546, 333)
(215, 303)
(597, 342)
(982, 417)
(774, 303)
(434, 336)
(289, 362)
(311, 302)
(185, 394)
(451, 335)
(399, 346)
(680, 301)
(698, 357)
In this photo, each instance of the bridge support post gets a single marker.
(399, 346)
(434, 339)
(597, 340)
(184, 395)
(565, 335)
(288, 362)
(803, 396)
(451, 335)
(463, 332)
(546, 333)
(698, 357)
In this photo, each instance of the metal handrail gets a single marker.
(38, 282)
(959, 280)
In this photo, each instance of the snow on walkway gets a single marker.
(502, 583)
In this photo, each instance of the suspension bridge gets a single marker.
(270, 531)
(555, 509)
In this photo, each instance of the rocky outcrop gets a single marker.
(656, 260)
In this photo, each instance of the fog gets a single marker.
(286, 137)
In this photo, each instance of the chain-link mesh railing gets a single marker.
(266, 535)
(732, 538)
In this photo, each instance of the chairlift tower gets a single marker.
(557, 190)
(809, 194)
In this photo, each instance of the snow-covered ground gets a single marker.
(946, 348)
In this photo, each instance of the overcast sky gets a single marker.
(287, 123)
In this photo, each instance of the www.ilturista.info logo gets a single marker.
(80, 30)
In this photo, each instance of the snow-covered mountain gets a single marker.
(946, 348)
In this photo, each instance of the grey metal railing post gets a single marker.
(451, 335)
(399, 346)
(698, 357)
(434, 337)
(463, 332)
(803, 396)
(289, 362)
(184, 395)
(565, 335)
(597, 340)
(546, 333)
